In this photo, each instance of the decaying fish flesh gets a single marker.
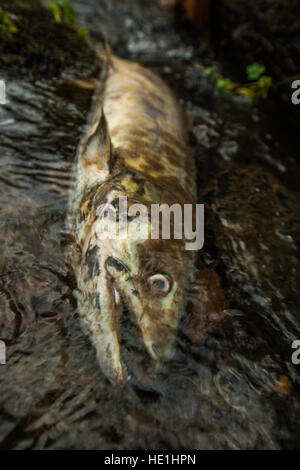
(135, 146)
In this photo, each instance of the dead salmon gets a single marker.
(134, 150)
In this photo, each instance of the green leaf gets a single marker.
(265, 81)
(6, 24)
(55, 11)
(210, 70)
(254, 71)
(62, 12)
(223, 83)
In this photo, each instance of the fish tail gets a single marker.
(106, 55)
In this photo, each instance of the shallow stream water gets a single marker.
(238, 389)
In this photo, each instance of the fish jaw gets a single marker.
(104, 291)
(156, 321)
(100, 309)
(156, 316)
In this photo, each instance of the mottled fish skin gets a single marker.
(134, 146)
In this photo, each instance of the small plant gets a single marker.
(261, 83)
(254, 71)
(64, 13)
(257, 87)
(6, 23)
(225, 84)
(210, 70)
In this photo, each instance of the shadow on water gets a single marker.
(236, 388)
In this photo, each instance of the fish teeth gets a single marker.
(117, 296)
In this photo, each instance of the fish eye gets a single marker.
(160, 282)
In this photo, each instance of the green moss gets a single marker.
(40, 46)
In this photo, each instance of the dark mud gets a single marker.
(237, 388)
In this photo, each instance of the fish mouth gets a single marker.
(134, 357)
(136, 362)
(131, 339)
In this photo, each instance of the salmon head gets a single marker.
(132, 288)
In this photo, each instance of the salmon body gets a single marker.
(134, 150)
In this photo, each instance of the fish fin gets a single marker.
(98, 148)
(84, 83)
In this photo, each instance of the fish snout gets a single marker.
(159, 337)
